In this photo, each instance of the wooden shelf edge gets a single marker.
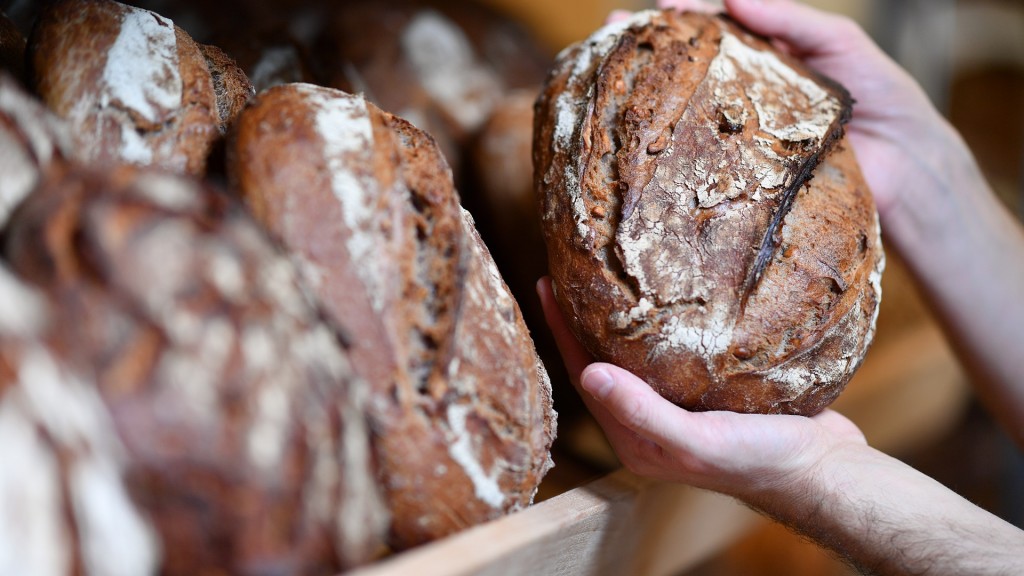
(618, 524)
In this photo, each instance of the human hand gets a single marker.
(750, 456)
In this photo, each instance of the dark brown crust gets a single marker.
(462, 407)
(246, 441)
(671, 179)
(70, 47)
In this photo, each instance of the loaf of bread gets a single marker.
(65, 507)
(440, 64)
(503, 165)
(31, 138)
(707, 224)
(132, 86)
(462, 408)
(244, 432)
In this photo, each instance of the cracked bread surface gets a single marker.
(707, 224)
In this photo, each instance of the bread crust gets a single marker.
(707, 224)
(364, 200)
(244, 430)
(133, 87)
(31, 139)
(74, 513)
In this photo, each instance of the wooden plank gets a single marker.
(619, 524)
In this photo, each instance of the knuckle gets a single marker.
(635, 411)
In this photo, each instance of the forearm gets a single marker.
(967, 252)
(887, 518)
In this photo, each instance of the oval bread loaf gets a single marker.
(132, 86)
(707, 224)
(244, 429)
(462, 405)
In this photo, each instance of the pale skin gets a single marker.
(818, 475)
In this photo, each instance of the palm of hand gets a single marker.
(723, 451)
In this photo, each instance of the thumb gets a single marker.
(807, 30)
(634, 404)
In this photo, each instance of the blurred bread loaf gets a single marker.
(65, 507)
(245, 442)
(440, 64)
(707, 224)
(461, 404)
(132, 86)
(31, 139)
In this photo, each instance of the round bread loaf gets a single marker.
(365, 202)
(132, 86)
(245, 431)
(707, 224)
(31, 138)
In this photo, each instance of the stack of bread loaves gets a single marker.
(195, 391)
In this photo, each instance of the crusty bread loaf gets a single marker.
(244, 431)
(364, 200)
(31, 138)
(707, 224)
(132, 86)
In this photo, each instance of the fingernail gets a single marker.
(597, 382)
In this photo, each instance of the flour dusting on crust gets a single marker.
(142, 66)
